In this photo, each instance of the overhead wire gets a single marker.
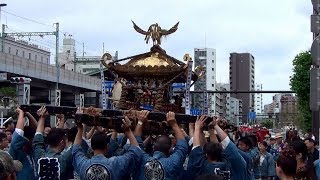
(51, 26)
(27, 19)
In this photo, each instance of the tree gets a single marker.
(267, 123)
(300, 83)
(10, 93)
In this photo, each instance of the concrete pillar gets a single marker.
(55, 98)
(79, 100)
(23, 91)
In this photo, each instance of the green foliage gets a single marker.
(267, 123)
(300, 83)
(8, 92)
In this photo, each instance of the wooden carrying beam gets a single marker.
(112, 119)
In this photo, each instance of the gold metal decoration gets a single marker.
(200, 71)
(153, 60)
(106, 59)
(155, 32)
(187, 57)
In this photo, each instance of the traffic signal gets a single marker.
(20, 80)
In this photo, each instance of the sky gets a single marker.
(273, 31)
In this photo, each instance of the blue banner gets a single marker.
(195, 112)
(252, 115)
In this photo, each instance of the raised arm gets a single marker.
(38, 140)
(126, 126)
(174, 125)
(42, 113)
(198, 131)
(142, 119)
(91, 132)
(191, 129)
(84, 127)
(20, 122)
(32, 121)
(78, 138)
(213, 136)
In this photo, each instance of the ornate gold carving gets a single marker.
(155, 32)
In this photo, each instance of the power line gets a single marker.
(34, 21)
(27, 19)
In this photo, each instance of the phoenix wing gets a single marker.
(170, 31)
(139, 30)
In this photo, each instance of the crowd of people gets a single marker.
(205, 150)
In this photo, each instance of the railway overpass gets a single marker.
(44, 77)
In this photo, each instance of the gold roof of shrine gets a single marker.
(153, 63)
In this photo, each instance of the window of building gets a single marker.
(212, 69)
(23, 54)
(9, 50)
(17, 52)
(29, 56)
(42, 59)
(35, 57)
(202, 53)
(47, 60)
(212, 85)
(212, 61)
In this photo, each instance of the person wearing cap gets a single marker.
(8, 166)
(278, 146)
(9, 125)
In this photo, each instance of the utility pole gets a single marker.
(82, 49)
(57, 53)
(315, 71)
(41, 34)
(2, 40)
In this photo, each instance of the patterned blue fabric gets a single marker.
(17, 153)
(166, 167)
(101, 167)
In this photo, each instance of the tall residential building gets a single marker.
(207, 58)
(221, 99)
(258, 104)
(241, 76)
(235, 108)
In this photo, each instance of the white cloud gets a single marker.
(273, 31)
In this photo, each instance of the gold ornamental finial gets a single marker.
(155, 32)
(106, 59)
(187, 57)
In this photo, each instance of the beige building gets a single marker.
(289, 110)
